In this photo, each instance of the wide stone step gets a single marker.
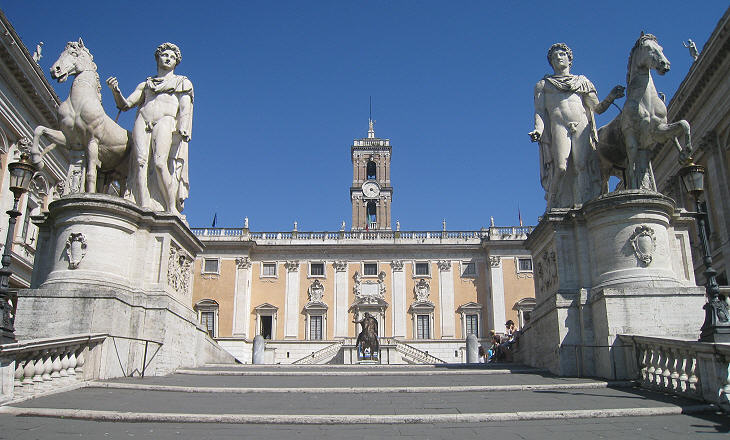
(385, 407)
(361, 380)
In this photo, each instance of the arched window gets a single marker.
(371, 170)
(372, 218)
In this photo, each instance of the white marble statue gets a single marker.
(692, 47)
(83, 123)
(38, 54)
(628, 141)
(565, 129)
(162, 130)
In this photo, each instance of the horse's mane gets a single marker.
(638, 43)
(89, 65)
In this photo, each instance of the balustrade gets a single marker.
(691, 369)
(500, 233)
(45, 364)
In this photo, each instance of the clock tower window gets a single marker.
(372, 220)
(371, 172)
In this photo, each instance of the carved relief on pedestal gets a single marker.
(243, 262)
(179, 270)
(422, 290)
(444, 265)
(547, 272)
(340, 266)
(643, 241)
(75, 249)
(316, 292)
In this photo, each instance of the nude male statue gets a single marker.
(162, 130)
(566, 130)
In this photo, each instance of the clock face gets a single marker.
(370, 189)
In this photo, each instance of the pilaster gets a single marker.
(340, 318)
(399, 299)
(242, 297)
(446, 299)
(497, 316)
(291, 303)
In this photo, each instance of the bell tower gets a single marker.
(371, 193)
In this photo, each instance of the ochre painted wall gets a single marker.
(516, 287)
(219, 288)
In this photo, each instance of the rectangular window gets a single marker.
(316, 269)
(370, 269)
(472, 325)
(422, 269)
(315, 327)
(266, 327)
(469, 269)
(524, 264)
(207, 320)
(423, 326)
(268, 270)
(210, 265)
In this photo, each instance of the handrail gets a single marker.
(408, 349)
(319, 354)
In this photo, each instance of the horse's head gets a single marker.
(74, 59)
(647, 54)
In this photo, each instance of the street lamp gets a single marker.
(21, 173)
(716, 327)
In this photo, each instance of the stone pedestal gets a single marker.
(621, 264)
(104, 265)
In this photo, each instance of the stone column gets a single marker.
(291, 302)
(446, 299)
(497, 315)
(399, 300)
(340, 309)
(242, 297)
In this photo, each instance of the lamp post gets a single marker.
(21, 173)
(716, 327)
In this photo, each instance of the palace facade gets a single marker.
(302, 291)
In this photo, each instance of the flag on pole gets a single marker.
(215, 218)
(519, 215)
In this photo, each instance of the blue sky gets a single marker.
(282, 88)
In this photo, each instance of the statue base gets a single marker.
(105, 265)
(620, 264)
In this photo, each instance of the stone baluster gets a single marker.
(72, 362)
(80, 363)
(56, 363)
(39, 369)
(668, 369)
(685, 358)
(651, 366)
(28, 370)
(693, 382)
(658, 370)
(17, 379)
(645, 356)
(47, 366)
(64, 362)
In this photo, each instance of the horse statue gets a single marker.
(628, 141)
(368, 337)
(84, 124)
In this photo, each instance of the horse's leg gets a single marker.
(56, 136)
(632, 169)
(92, 164)
(674, 130)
